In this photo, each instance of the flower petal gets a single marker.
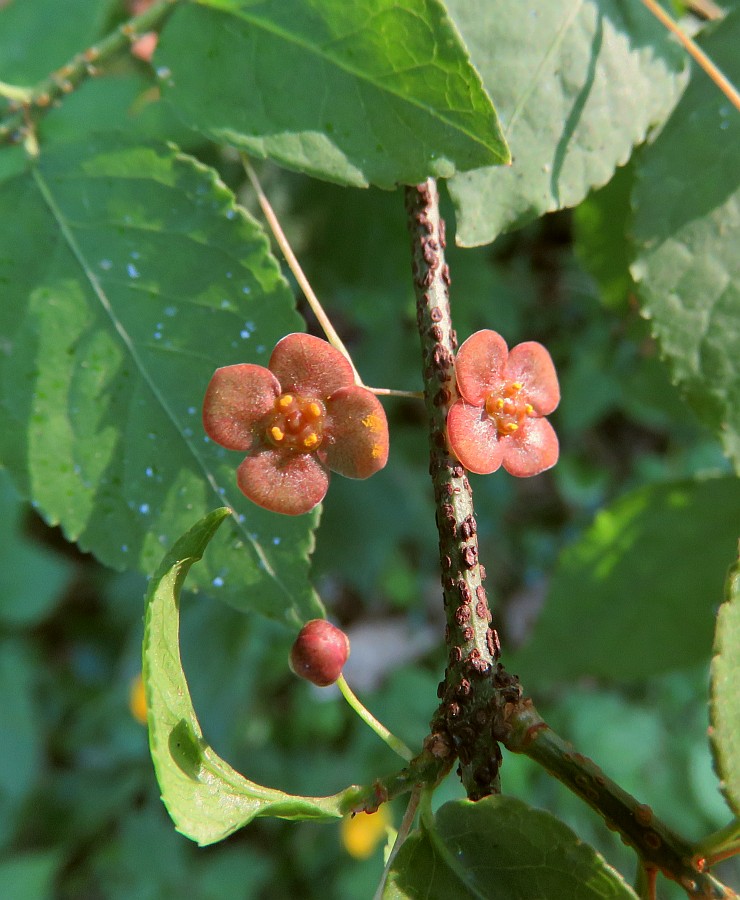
(355, 433)
(474, 438)
(480, 365)
(308, 366)
(289, 483)
(235, 401)
(532, 449)
(532, 366)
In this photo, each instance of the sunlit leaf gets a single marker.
(725, 706)
(206, 798)
(687, 233)
(643, 581)
(377, 92)
(576, 85)
(500, 849)
(128, 276)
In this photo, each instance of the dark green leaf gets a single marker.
(725, 706)
(378, 92)
(636, 594)
(500, 849)
(128, 276)
(687, 232)
(31, 578)
(576, 86)
(206, 798)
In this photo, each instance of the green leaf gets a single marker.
(377, 92)
(128, 276)
(31, 577)
(686, 232)
(576, 85)
(206, 798)
(725, 708)
(636, 594)
(500, 849)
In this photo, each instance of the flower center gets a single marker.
(507, 409)
(296, 423)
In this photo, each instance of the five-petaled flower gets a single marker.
(503, 397)
(296, 420)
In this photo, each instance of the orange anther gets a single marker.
(285, 401)
(314, 410)
(310, 440)
(529, 409)
(277, 434)
(511, 427)
(516, 386)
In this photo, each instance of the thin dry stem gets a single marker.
(722, 82)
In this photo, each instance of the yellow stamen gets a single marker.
(529, 409)
(314, 409)
(310, 441)
(511, 427)
(516, 386)
(276, 433)
(285, 401)
(499, 403)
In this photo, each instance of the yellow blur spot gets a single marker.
(277, 433)
(516, 386)
(137, 700)
(529, 409)
(285, 401)
(310, 441)
(511, 427)
(373, 422)
(377, 451)
(362, 833)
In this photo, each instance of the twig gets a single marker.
(27, 105)
(660, 849)
(722, 82)
(402, 834)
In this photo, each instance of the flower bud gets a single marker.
(319, 652)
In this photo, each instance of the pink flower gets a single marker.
(296, 420)
(503, 397)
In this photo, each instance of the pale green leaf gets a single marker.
(636, 594)
(128, 275)
(576, 86)
(206, 798)
(373, 92)
(500, 849)
(725, 705)
(687, 237)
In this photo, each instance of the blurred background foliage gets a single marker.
(80, 815)
(79, 810)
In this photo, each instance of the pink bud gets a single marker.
(319, 652)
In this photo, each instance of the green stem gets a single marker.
(29, 104)
(719, 844)
(659, 848)
(369, 719)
